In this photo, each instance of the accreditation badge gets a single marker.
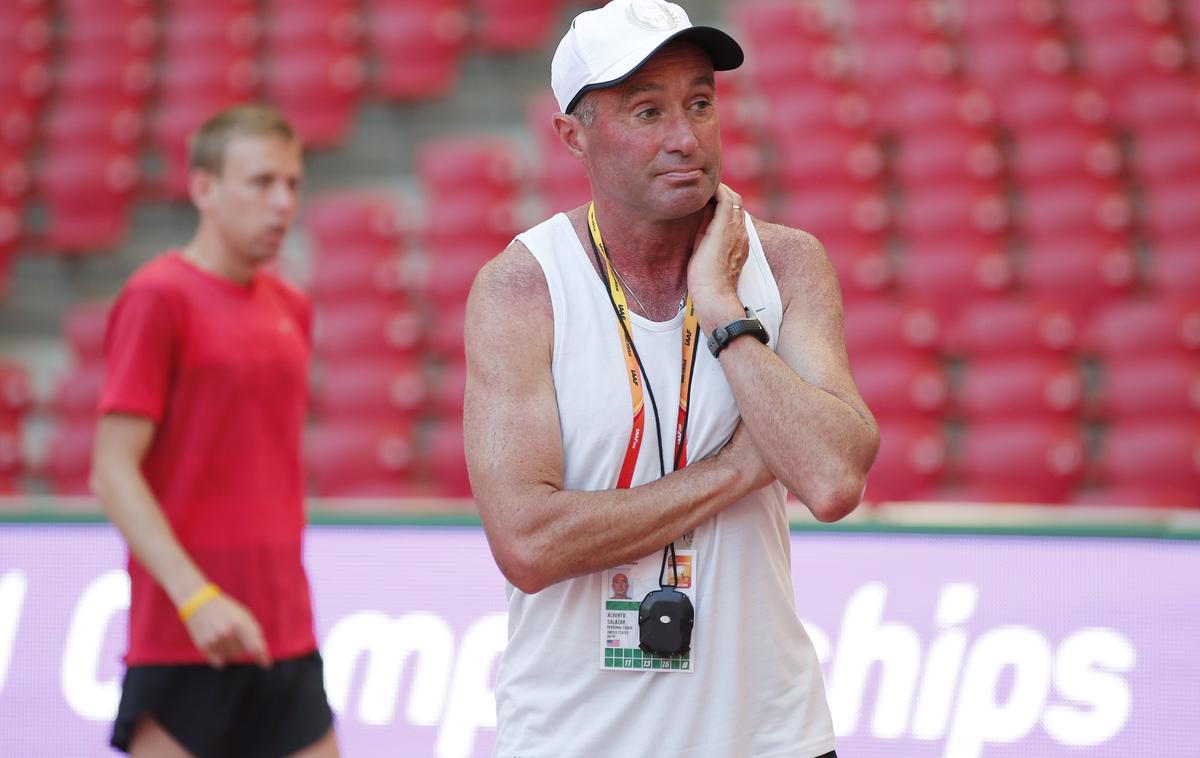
(621, 595)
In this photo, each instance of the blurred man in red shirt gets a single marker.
(198, 464)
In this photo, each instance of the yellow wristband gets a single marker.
(194, 603)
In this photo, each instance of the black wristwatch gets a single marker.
(723, 335)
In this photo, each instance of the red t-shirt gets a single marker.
(222, 370)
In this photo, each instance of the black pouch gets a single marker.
(665, 620)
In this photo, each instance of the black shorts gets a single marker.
(241, 711)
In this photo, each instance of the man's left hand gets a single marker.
(721, 250)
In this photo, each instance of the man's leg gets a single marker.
(326, 747)
(150, 740)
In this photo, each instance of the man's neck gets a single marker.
(650, 256)
(646, 248)
(209, 253)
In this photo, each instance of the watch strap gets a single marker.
(723, 335)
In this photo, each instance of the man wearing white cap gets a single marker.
(581, 338)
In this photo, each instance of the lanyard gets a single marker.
(636, 373)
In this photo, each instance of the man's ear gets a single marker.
(199, 185)
(572, 134)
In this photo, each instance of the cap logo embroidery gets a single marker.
(652, 15)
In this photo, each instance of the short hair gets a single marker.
(206, 147)
(585, 109)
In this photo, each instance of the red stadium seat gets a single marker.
(783, 59)
(353, 459)
(1020, 387)
(1175, 270)
(1081, 272)
(367, 329)
(1167, 153)
(939, 213)
(213, 27)
(15, 179)
(816, 104)
(1172, 211)
(1005, 60)
(25, 30)
(891, 61)
(508, 26)
(88, 194)
(15, 393)
(939, 104)
(117, 81)
(418, 46)
(1152, 454)
(947, 278)
(77, 395)
(765, 20)
(1143, 388)
(107, 27)
(1012, 327)
(863, 267)
(1144, 327)
(1054, 101)
(837, 212)
(1115, 14)
(1120, 59)
(84, 326)
(1080, 206)
(1160, 101)
(356, 220)
(447, 276)
(1190, 12)
(978, 18)
(387, 390)
(830, 155)
(948, 154)
(12, 458)
(309, 25)
(1065, 152)
(447, 390)
(912, 457)
(877, 326)
(229, 77)
(469, 222)
(97, 125)
(901, 385)
(342, 274)
(318, 92)
(469, 165)
(444, 460)
(446, 335)
(1044, 458)
(68, 460)
(24, 84)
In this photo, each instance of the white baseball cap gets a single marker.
(605, 46)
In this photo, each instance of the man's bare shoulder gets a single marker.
(511, 280)
(798, 260)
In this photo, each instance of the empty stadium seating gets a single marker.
(1007, 191)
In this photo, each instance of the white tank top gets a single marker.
(757, 690)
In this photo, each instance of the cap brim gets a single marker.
(724, 51)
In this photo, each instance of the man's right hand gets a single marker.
(225, 631)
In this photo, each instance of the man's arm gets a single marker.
(221, 628)
(539, 532)
(799, 404)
